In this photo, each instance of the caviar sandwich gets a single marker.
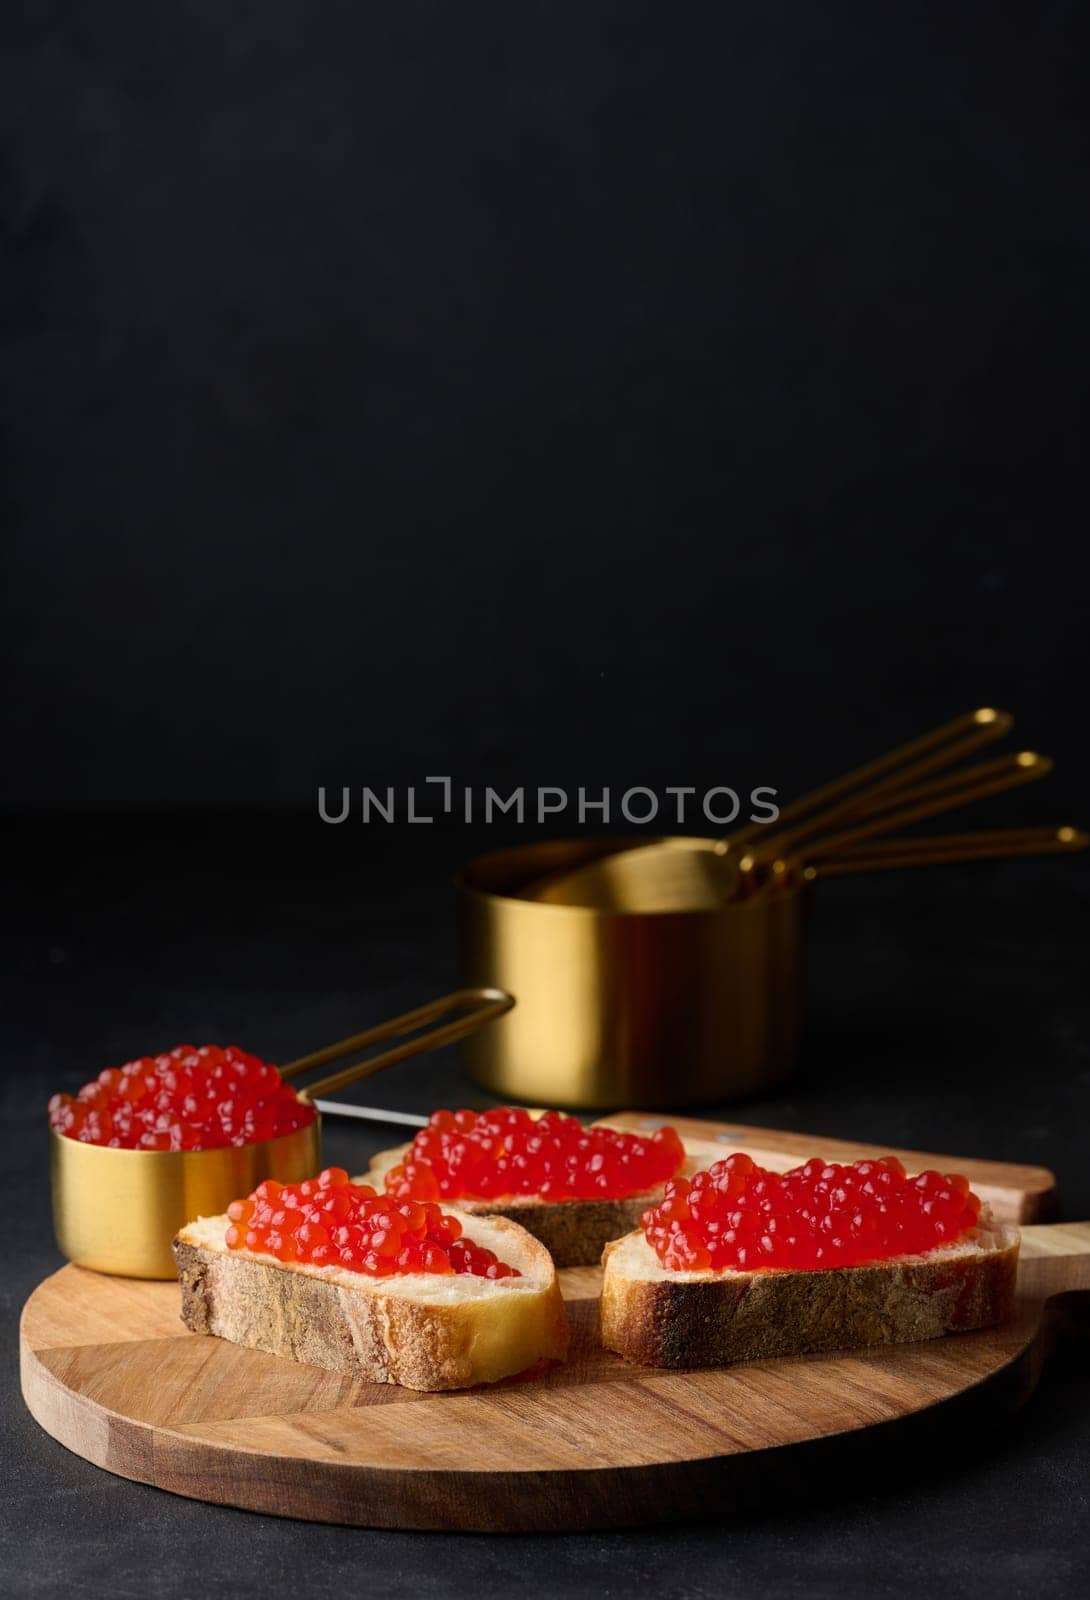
(738, 1263)
(573, 1187)
(331, 1273)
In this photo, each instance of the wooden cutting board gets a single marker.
(108, 1369)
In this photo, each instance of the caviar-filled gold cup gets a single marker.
(117, 1210)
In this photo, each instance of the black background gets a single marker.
(612, 394)
(599, 393)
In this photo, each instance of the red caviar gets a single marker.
(483, 1155)
(185, 1099)
(329, 1222)
(822, 1214)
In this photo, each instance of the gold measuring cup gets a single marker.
(117, 1211)
(664, 1009)
(628, 1009)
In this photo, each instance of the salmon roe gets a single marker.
(822, 1214)
(329, 1222)
(485, 1155)
(185, 1099)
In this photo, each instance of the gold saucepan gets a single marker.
(653, 1010)
(118, 1210)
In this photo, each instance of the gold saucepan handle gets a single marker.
(928, 753)
(887, 855)
(478, 1006)
(905, 806)
(634, 878)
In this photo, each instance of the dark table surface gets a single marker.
(948, 1011)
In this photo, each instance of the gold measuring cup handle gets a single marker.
(907, 806)
(686, 874)
(478, 1006)
(984, 844)
(928, 753)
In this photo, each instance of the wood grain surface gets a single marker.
(109, 1371)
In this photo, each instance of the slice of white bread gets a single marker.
(423, 1330)
(710, 1319)
(574, 1232)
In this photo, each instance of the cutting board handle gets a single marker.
(1054, 1259)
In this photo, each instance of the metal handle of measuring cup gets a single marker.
(478, 1007)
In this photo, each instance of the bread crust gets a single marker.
(712, 1320)
(366, 1331)
(574, 1232)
